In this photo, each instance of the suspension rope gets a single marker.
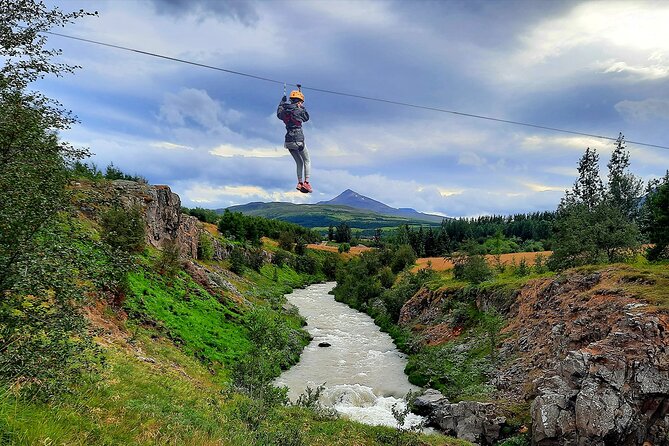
(357, 96)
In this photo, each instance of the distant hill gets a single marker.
(355, 200)
(355, 214)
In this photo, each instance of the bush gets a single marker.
(256, 258)
(403, 257)
(205, 247)
(280, 257)
(522, 269)
(472, 268)
(344, 247)
(286, 241)
(169, 260)
(237, 260)
(124, 229)
(305, 264)
(331, 264)
(386, 277)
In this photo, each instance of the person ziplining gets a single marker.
(293, 114)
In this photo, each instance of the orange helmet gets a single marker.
(296, 94)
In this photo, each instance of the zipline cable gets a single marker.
(351, 95)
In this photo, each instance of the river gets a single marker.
(362, 370)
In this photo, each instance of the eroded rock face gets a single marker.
(600, 362)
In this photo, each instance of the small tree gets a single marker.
(169, 260)
(124, 229)
(343, 233)
(205, 247)
(657, 225)
(344, 247)
(624, 189)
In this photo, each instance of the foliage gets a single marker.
(403, 257)
(344, 247)
(342, 233)
(44, 340)
(595, 224)
(657, 223)
(357, 283)
(124, 229)
(471, 268)
(310, 399)
(624, 189)
(237, 260)
(168, 262)
(533, 229)
(91, 172)
(204, 215)
(205, 247)
(249, 228)
(32, 160)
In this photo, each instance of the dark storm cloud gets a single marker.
(241, 10)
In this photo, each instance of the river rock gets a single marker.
(429, 402)
(468, 420)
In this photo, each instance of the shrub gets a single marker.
(300, 247)
(237, 260)
(124, 229)
(540, 264)
(280, 257)
(403, 257)
(305, 264)
(522, 269)
(331, 264)
(472, 268)
(344, 247)
(386, 277)
(286, 241)
(168, 262)
(256, 258)
(205, 247)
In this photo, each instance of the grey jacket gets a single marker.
(293, 116)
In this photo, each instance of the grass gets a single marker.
(172, 401)
(646, 281)
(207, 328)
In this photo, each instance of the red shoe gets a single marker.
(307, 187)
(301, 188)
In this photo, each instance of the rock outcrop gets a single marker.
(588, 354)
(468, 420)
(160, 207)
(599, 360)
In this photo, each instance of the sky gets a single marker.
(592, 67)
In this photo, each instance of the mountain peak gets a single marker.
(356, 200)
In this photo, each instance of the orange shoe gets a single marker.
(301, 188)
(307, 187)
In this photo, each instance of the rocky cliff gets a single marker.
(588, 350)
(160, 207)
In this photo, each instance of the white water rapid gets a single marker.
(362, 370)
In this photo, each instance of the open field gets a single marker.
(354, 249)
(442, 264)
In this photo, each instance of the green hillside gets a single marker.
(320, 216)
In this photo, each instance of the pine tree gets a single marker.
(588, 188)
(624, 189)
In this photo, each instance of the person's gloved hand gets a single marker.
(283, 99)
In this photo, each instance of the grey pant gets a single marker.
(301, 158)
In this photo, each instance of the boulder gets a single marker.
(468, 420)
